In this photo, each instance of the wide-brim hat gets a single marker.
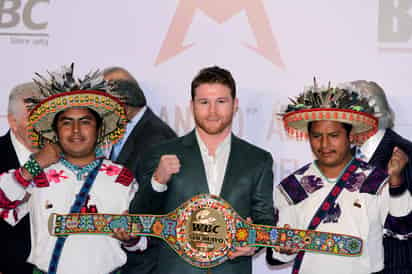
(332, 104)
(69, 93)
(109, 108)
(364, 125)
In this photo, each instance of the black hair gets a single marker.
(99, 120)
(346, 126)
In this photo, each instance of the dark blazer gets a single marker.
(149, 131)
(247, 186)
(398, 258)
(383, 153)
(15, 240)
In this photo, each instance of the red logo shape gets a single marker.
(221, 11)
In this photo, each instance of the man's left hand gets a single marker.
(121, 235)
(242, 251)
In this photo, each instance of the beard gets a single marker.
(213, 128)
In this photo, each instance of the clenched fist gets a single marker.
(395, 166)
(48, 155)
(168, 165)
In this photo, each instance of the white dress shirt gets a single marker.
(215, 165)
(23, 154)
(366, 151)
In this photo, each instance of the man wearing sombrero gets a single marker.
(69, 175)
(336, 192)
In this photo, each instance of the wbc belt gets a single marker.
(203, 230)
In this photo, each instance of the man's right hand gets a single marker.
(168, 165)
(48, 155)
(286, 250)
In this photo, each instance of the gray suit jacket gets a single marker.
(247, 186)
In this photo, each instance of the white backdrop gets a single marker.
(273, 49)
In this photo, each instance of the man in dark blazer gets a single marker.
(15, 149)
(144, 130)
(378, 151)
(210, 159)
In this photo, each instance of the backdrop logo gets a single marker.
(221, 11)
(395, 25)
(20, 20)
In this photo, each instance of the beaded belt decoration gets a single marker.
(204, 229)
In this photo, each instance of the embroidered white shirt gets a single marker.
(82, 254)
(362, 215)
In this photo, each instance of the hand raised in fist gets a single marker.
(168, 165)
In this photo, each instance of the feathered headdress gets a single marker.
(63, 91)
(330, 103)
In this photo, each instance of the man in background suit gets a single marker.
(144, 130)
(378, 151)
(15, 147)
(210, 159)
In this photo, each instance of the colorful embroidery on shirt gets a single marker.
(81, 172)
(86, 208)
(111, 170)
(6, 204)
(293, 190)
(125, 177)
(23, 182)
(54, 176)
(333, 214)
(41, 180)
(302, 170)
(311, 183)
(355, 182)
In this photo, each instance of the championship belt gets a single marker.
(203, 230)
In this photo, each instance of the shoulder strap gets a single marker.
(78, 203)
(325, 206)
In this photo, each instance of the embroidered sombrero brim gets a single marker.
(364, 124)
(110, 109)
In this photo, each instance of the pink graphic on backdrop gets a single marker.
(221, 11)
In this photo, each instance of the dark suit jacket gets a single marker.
(247, 186)
(383, 153)
(398, 259)
(15, 241)
(149, 131)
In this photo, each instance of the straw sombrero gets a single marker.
(334, 104)
(62, 91)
